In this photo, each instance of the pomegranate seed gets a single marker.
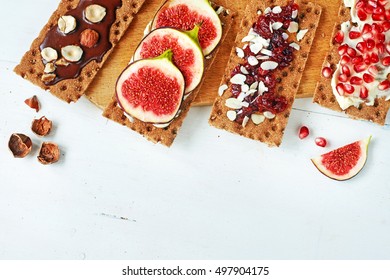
(370, 44)
(381, 37)
(379, 10)
(360, 67)
(385, 85)
(363, 92)
(339, 38)
(354, 35)
(343, 78)
(362, 47)
(321, 142)
(386, 61)
(367, 36)
(387, 14)
(386, 24)
(349, 89)
(373, 3)
(374, 58)
(378, 17)
(343, 49)
(356, 81)
(327, 72)
(351, 52)
(357, 60)
(366, 28)
(303, 132)
(388, 48)
(345, 70)
(360, 5)
(368, 78)
(368, 9)
(377, 28)
(345, 60)
(381, 48)
(373, 70)
(340, 89)
(361, 14)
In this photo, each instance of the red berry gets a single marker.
(303, 132)
(339, 38)
(321, 142)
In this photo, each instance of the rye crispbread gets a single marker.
(270, 131)
(31, 66)
(323, 94)
(166, 136)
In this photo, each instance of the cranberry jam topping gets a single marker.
(266, 50)
(81, 36)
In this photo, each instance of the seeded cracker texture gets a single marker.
(324, 94)
(166, 136)
(31, 66)
(270, 131)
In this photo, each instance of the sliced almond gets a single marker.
(301, 34)
(295, 46)
(277, 10)
(233, 103)
(294, 14)
(245, 121)
(72, 53)
(256, 47)
(277, 25)
(222, 89)
(238, 79)
(244, 71)
(49, 54)
(293, 27)
(67, 24)
(266, 52)
(240, 53)
(95, 13)
(253, 61)
(269, 115)
(49, 68)
(232, 115)
(269, 65)
(257, 119)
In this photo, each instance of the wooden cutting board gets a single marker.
(102, 89)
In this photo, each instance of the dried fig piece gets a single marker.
(33, 103)
(42, 126)
(20, 145)
(49, 153)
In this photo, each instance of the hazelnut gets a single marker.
(49, 68)
(72, 53)
(62, 62)
(89, 38)
(20, 145)
(33, 103)
(49, 153)
(42, 126)
(49, 54)
(95, 13)
(47, 78)
(66, 24)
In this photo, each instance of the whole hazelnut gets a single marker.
(89, 38)
(20, 145)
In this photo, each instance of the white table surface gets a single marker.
(213, 195)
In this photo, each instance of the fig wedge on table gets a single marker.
(187, 54)
(343, 163)
(184, 15)
(151, 90)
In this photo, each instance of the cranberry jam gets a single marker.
(275, 53)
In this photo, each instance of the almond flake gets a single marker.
(277, 25)
(262, 57)
(240, 53)
(294, 14)
(238, 79)
(244, 88)
(266, 52)
(245, 104)
(270, 28)
(233, 103)
(269, 65)
(277, 10)
(267, 10)
(232, 115)
(259, 12)
(295, 46)
(293, 27)
(248, 38)
(253, 61)
(222, 89)
(256, 47)
(254, 85)
(262, 88)
(245, 121)
(257, 119)
(301, 34)
(285, 36)
(244, 71)
(269, 115)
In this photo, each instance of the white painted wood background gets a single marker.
(213, 195)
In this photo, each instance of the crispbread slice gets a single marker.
(324, 94)
(31, 66)
(167, 135)
(270, 131)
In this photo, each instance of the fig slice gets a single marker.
(343, 163)
(151, 90)
(187, 54)
(184, 15)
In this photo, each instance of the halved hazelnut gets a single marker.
(47, 78)
(72, 53)
(89, 38)
(67, 24)
(49, 54)
(20, 145)
(42, 126)
(33, 103)
(49, 68)
(49, 153)
(95, 13)
(62, 62)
